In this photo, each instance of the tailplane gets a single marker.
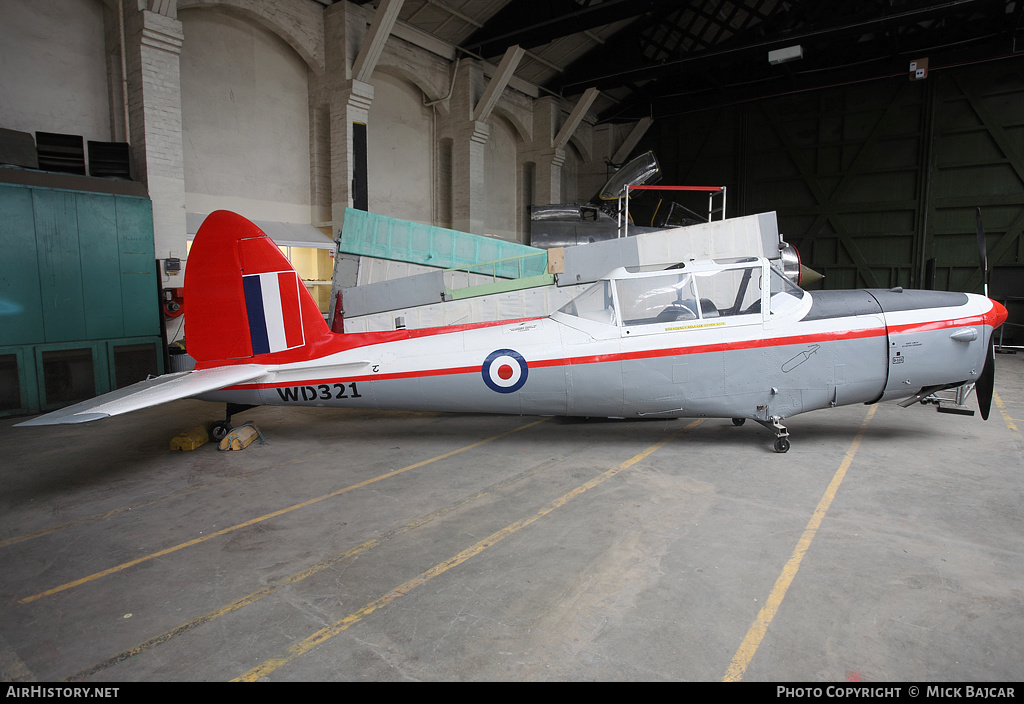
(243, 300)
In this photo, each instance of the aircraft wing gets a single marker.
(151, 392)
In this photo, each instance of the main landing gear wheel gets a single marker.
(738, 421)
(219, 430)
(781, 445)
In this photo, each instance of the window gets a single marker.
(785, 294)
(659, 299)
(315, 267)
(593, 304)
(730, 292)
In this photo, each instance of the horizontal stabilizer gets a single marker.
(151, 392)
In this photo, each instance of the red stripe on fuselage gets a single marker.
(598, 359)
(986, 319)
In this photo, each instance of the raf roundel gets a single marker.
(505, 371)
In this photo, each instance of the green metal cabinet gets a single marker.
(79, 307)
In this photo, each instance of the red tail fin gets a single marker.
(243, 300)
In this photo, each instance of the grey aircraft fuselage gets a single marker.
(730, 339)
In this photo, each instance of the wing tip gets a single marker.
(58, 418)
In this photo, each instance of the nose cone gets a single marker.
(996, 316)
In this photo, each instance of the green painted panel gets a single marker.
(372, 235)
(60, 267)
(21, 314)
(503, 286)
(97, 244)
(138, 266)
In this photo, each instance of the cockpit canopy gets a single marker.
(699, 291)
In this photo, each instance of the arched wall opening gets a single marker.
(245, 119)
(400, 134)
(501, 183)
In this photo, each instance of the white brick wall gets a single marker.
(153, 46)
(327, 41)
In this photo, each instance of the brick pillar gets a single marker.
(153, 50)
(548, 159)
(548, 188)
(469, 142)
(468, 196)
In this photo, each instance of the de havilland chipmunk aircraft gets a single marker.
(723, 339)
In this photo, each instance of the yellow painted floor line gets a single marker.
(178, 493)
(260, 519)
(299, 576)
(1002, 411)
(745, 653)
(155, 500)
(325, 634)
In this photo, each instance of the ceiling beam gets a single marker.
(627, 147)
(373, 43)
(575, 117)
(538, 23)
(498, 82)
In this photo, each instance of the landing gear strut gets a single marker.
(781, 433)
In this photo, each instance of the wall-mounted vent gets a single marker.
(134, 362)
(110, 160)
(68, 376)
(18, 149)
(10, 383)
(63, 153)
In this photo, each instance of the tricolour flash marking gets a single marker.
(272, 307)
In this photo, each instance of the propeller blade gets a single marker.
(986, 382)
(982, 250)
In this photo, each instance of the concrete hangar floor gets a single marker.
(886, 545)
